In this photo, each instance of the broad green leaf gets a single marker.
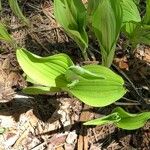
(131, 17)
(130, 11)
(92, 5)
(106, 22)
(146, 19)
(71, 14)
(4, 35)
(122, 119)
(130, 121)
(105, 72)
(17, 11)
(114, 117)
(40, 90)
(94, 88)
(47, 71)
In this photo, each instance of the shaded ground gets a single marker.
(54, 121)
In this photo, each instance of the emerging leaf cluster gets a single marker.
(106, 18)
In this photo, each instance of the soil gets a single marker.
(54, 121)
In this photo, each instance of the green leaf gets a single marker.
(4, 35)
(129, 29)
(122, 119)
(47, 71)
(95, 88)
(106, 22)
(131, 121)
(146, 19)
(71, 14)
(17, 11)
(141, 35)
(40, 90)
(92, 5)
(130, 11)
(131, 17)
(114, 117)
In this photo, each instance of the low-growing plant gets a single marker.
(107, 18)
(94, 85)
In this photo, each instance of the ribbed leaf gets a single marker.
(71, 14)
(107, 21)
(131, 121)
(130, 11)
(122, 119)
(17, 11)
(95, 88)
(47, 71)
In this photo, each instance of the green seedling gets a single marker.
(17, 11)
(94, 85)
(71, 15)
(122, 119)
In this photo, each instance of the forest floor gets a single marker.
(54, 121)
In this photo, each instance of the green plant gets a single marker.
(71, 14)
(95, 85)
(107, 18)
(107, 22)
(17, 11)
(137, 29)
(122, 119)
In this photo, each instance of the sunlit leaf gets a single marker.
(106, 22)
(95, 88)
(130, 11)
(47, 71)
(122, 119)
(130, 121)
